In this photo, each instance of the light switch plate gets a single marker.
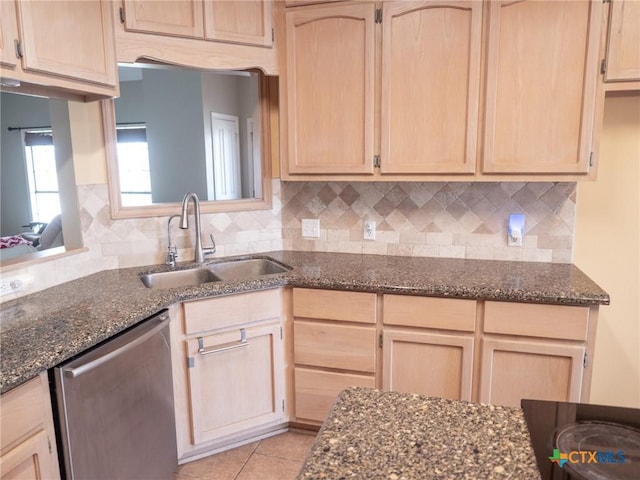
(311, 228)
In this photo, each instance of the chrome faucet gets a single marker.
(200, 252)
(172, 250)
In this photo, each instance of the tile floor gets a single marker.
(275, 458)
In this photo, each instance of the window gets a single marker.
(133, 164)
(42, 175)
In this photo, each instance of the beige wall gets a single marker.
(607, 248)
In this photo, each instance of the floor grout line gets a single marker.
(247, 460)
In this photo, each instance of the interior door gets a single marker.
(226, 157)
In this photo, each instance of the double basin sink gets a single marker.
(215, 272)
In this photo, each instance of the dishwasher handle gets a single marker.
(123, 344)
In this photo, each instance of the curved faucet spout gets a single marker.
(184, 224)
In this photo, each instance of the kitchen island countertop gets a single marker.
(388, 435)
(41, 330)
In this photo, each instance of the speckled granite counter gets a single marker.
(388, 435)
(43, 329)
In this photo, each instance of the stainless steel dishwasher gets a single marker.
(115, 407)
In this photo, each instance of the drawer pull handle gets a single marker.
(223, 348)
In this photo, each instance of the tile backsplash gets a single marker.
(435, 219)
(458, 220)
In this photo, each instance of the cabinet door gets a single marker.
(542, 70)
(432, 364)
(623, 41)
(29, 460)
(8, 33)
(240, 21)
(430, 86)
(27, 438)
(515, 369)
(79, 44)
(330, 95)
(234, 384)
(183, 18)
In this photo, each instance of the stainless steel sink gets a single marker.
(229, 271)
(248, 268)
(179, 278)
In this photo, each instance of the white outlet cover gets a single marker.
(311, 228)
(369, 230)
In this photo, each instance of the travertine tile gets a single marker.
(223, 466)
(290, 445)
(462, 210)
(262, 467)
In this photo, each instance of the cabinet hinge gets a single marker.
(603, 66)
(19, 52)
(190, 362)
(591, 159)
(380, 340)
(281, 333)
(122, 17)
(273, 35)
(283, 405)
(49, 444)
(606, 1)
(585, 360)
(376, 161)
(378, 17)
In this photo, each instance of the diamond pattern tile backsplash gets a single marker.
(456, 220)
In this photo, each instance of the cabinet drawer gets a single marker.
(429, 312)
(335, 346)
(533, 320)
(316, 391)
(222, 312)
(334, 305)
(23, 411)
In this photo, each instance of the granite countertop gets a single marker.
(389, 435)
(40, 330)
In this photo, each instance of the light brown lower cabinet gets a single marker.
(26, 431)
(536, 351)
(515, 369)
(428, 345)
(229, 370)
(334, 348)
(233, 381)
(434, 364)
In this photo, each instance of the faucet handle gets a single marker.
(212, 249)
(172, 254)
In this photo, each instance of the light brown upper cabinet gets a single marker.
(541, 77)
(622, 62)
(75, 53)
(244, 22)
(8, 34)
(458, 90)
(430, 86)
(330, 96)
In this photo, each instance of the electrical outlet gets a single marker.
(369, 230)
(12, 285)
(311, 228)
